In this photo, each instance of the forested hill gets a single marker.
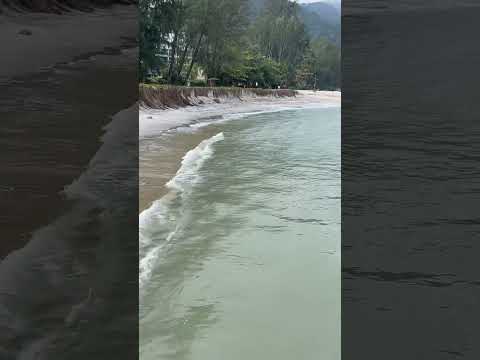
(327, 12)
(246, 43)
(322, 19)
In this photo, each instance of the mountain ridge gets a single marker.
(321, 18)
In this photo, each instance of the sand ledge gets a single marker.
(155, 121)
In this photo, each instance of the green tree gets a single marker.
(219, 37)
(321, 66)
(155, 26)
(225, 24)
(281, 35)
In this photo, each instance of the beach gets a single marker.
(159, 160)
(60, 87)
(239, 230)
(70, 115)
(61, 39)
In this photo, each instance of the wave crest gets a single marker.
(159, 223)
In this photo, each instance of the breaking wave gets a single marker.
(160, 222)
(53, 263)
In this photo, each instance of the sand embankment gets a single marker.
(172, 97)
(163, 108)
(161, 156)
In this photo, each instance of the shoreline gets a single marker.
(177, 131)
(154, 121)
(268, 188)
(41, 80)
(70, 108)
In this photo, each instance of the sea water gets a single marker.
(240, 256)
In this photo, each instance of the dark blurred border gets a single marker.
(410, 180)
(69, 179)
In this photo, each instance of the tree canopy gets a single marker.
(221, 38)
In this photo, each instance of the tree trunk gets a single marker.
(182, 59)
(172, 57)
(214, 59)
(194, 55)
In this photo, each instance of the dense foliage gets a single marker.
(233, 43)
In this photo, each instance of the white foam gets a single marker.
(110, 160)
(43, 268)
(156, 213)
(193, 160)
(159, 213)
(147, 263)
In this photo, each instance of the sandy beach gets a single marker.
(52, 83)
(154, 122)
(65, 141)
(245, 237)
(56, 39)
(167, 135)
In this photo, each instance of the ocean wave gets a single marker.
(193, 160)
(159, 223)
(52, 264)
(200, 123)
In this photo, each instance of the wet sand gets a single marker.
(161, 154)
(250, 242)
(52, 120)
(62, 38)
(160, 158)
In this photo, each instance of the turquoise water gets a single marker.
(241, 259)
